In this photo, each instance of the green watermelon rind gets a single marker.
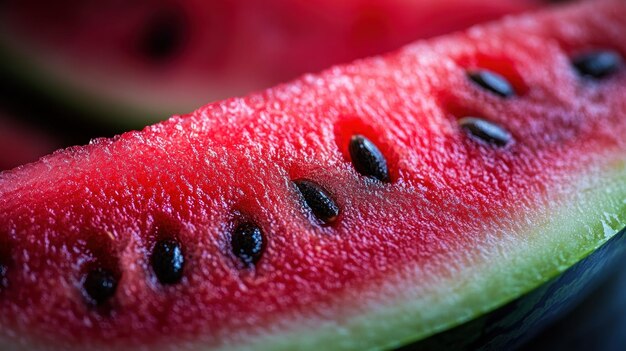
(517, 322)
(596, 215)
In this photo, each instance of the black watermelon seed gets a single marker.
(597, 65)
(168, 261)
(486, 131)
(367, 159)
(493, 82)
(164, 35)
(247, 243)
(100, 285)
(318, 200)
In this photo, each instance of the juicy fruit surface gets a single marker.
(173, 56)
(453, 197)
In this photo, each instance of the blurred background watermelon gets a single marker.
(22, 143)
(77, 69)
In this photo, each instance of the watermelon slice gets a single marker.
(143, 62)
(369, 206)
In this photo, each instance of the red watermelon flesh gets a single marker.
(199, 233)
(172, 56)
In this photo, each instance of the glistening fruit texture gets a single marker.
(132, 62)
(371, 205)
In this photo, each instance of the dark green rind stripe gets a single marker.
(510, 326)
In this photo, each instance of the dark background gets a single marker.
(598, 323)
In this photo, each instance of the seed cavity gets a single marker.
(247, 243)
(597, 64)
(492, 82)
(318, 200)
(486, 131)
(168, 261)
(367, 158)
(100, 285)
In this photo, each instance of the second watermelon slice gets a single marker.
(132, 62)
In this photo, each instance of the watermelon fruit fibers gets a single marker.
(369, 206)
(154, 60)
